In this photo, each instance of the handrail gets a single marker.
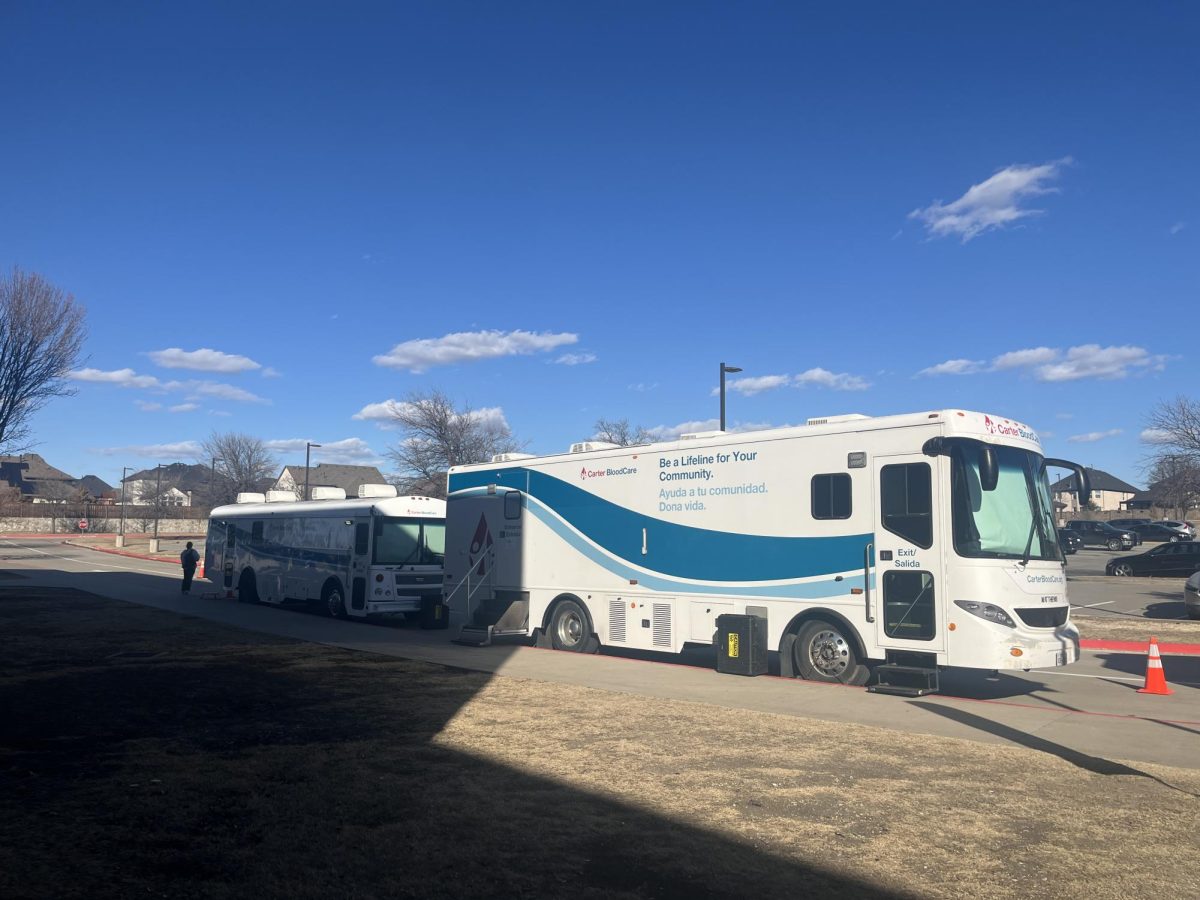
(867, 578)
(489, 559)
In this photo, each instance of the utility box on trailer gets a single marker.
(741, 644)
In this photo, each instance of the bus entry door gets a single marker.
(907, 554)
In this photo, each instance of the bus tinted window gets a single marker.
(435, 543)
(409, 542)
(906, 495)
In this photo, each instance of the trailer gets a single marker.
(902, 543)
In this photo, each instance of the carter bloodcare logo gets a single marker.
(481, 546)
(1012, 429)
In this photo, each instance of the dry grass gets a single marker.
(148, 753)
(1135, 628)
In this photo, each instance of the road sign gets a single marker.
(83, 524)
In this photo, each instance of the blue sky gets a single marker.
(280, 217)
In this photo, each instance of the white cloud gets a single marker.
(1017, 359)
(346, 452)
(215, 389)
(576, 359)
(469, 346)
(202, 360)
(268, 372)
(145, 406)
(954, 367)
(994, 203)
(1155, 436)
(754, 385)
(837, 381)
(183, 407)
(379, 412)
(641, 387)
(1092, 436)
(174, 452)
(219, 412)
(1176, 228)
(126, 378)
(1094, 361)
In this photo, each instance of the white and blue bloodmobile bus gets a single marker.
(378, 554)
(926, 539)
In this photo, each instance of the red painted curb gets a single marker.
(1142, 647)
(115, 552)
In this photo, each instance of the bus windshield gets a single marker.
(1015, 520)
(409, 542)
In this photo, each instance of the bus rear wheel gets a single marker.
(822, 652)
(570, 628)
(247, 587)
(332, 602)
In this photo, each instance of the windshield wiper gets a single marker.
(1035, 507)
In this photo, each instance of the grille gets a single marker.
(662, 624)
(1043, 617)
(616, 621)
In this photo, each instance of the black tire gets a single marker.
(247, 587)
(822, 652)
(333, 602)
(570, 629)
(1114, 543)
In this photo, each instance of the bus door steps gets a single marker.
(905, 681)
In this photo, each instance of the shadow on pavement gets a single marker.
(1181, 671)
(142, 751)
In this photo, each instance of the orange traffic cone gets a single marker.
(200, 570)
(1156, 681)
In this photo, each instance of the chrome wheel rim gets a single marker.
(335, 603)
(1123, 570)
(829, 653)
(569, 628)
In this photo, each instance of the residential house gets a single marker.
(180, 482)
(97, 489)
(348, 478)
(1109, 493)
(36, 479)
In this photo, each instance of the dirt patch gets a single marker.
(1135, 628)
(146, 752)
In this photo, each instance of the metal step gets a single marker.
(474, 636)
(905, 681)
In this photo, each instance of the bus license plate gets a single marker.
(1060, 657)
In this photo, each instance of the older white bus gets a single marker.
(921, 540)
(379, 554)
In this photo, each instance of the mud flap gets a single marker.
(787, 667)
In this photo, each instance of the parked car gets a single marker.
(1158, 531)
(1070, 541)
(1101, 534)
(1182, 526)
(1128, 523)
(1191, 596)
(1169, 560)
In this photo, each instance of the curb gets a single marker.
(115, 552)
(1142, 647)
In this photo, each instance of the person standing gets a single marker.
(188, 559)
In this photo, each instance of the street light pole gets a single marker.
(157, 507)
(308, 445)
(121, 532)
(724, 369)
(212, 481)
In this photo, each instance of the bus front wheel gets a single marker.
(822, 652)
(570, 628)
(332, 602)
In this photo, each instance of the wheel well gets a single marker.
(248, 584)
(330, 584)
(555, 604)
(793, 628)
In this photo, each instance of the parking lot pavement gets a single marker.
(1149, 598)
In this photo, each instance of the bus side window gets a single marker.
(362, 538)
(256, 534)
(512, 505)
(229, 532)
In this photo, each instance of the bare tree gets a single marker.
(41, 336)
(436, 436)
(1176, 426)
(1176, 482)
(243, 463)
(620, 432)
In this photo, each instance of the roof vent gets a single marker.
(831, 420)
(511, 457)
(701, 434)
(246, 497)
(281, 497)
(376, 491)
(589, 446)
(328, 493)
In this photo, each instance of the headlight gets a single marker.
(986, 611)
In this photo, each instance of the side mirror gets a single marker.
(989, 472)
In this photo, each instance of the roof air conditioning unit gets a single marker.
(376, 491)
(281, 496)
(328, 493)
(832, 420)
(701, 434)
(250, 497)
(589, 446)
(511, 457)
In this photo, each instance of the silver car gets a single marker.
(1191, 596)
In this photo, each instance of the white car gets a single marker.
(1191, 596)
(1180, 526)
